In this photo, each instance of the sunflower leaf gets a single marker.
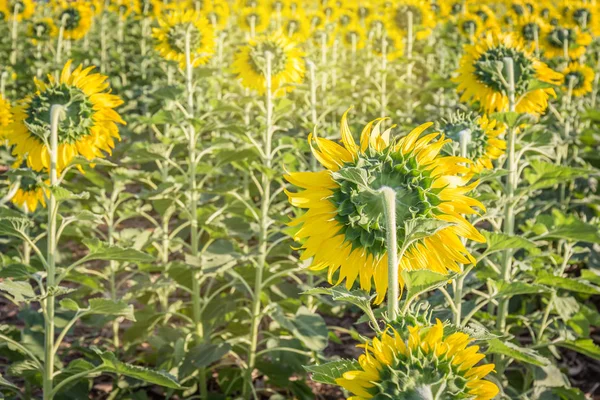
(529, 356)
(583, 346)
(327, 373)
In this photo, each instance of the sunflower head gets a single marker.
(561, 36)
(218, 14)
(425, 363)
(481, 136)
(19, 9)
(579, 78)
(42, 30)
(88, 126)
(287, 63)
(343, 229)
(295, 26)
(423, 19)
(6, 116)
(354, 36)
(75, 18)
(122, 8)
(254, 19)
(470, 25)
(172, 33)
(585, 16)
(30, 194)
(529, 26)
(482, 77)
(389, 43)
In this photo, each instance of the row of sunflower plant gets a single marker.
(167, 230)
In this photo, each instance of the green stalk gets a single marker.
(192, 187)
(388, 196)
(3, 78)
(14, 34)
(464, 139)
(56, 113)
(383, 75)
(263, 234)
(113, 266)
(509, 216)
(103, 50)
(59, 41)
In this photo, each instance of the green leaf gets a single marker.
(536, 84)
(18, 291)
(499, 241)
(62, 194)
(311, 329)
(168, 92)
(103, 251)
(102, 306)
(529, 356)
(568, 227)
(202, 356)
(566, 307)
(5, 383)
(355, 175)
(357, 297)
(420, 228)
(583, 346)
(15, 271)
(572, 285)
(14, 226)
(541, 174)
(327, 373)
(421, 281)
(510, 118)
(110, 363)
(509, 289)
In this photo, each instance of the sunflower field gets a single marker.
(299, 199)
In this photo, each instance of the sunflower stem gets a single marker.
(14, 33)
(388, 196)
(59, 41)
(509, 217)
(383, 75)
(56, 114)
(464, 140)
(194, 233)
(263, 234)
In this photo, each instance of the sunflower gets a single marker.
(579, 77)
(254, 19)
(483, 143)
(295, 26)
(454, 8)
(218, 14)
(88, 127)
(520, 8)
(287, 66)
(486, 15)
(171, 37)
(316, 19)
(585, 16)
(393, 42)
(480, 79)
(20, 9)
(30, 194)
(528, 25)
(75, 18)
(42, 30)
(6, 116)
(149, 8)
(347, 17)
(426, 362)
(343, 228)
(422, 17)
(470, 25)
(122, 8)
(354, 36)
(559, 36)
